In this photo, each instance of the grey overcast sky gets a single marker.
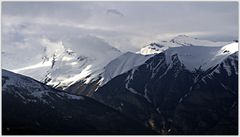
(125, 25)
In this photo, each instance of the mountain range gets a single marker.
(181, 86)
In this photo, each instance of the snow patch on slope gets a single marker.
(12, 79)
(32, 88)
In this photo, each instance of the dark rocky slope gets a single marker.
(32, 108)
(173, 100)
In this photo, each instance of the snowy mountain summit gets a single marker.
(178, 41)
(192, 52)
(61, 64)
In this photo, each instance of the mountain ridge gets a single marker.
(33, 108)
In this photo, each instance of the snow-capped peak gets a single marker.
(178, 41)
(152, 48)
(61, 64)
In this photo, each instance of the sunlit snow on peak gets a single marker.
(61, 63)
